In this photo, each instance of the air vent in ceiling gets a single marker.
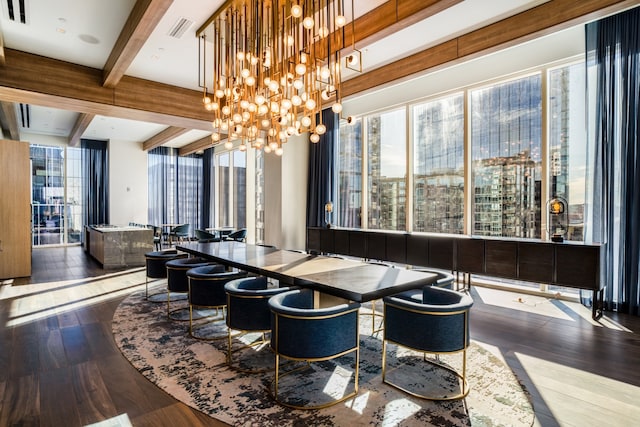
(25, 115)
(179, 28)
(16, 10)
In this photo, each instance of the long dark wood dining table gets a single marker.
(344, 278)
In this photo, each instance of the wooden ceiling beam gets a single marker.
(549, 17)
(37, 80)
(144, 18)
(9, 120)
(201, 144)
(165, 136)
(2, 58)
(83, 122)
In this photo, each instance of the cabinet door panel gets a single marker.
(500, 258)
(578, 266)
(15, 196)
(418, 250)
(535, 262)
(470, 255)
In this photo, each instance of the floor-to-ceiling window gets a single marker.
(231, 193)
(56, 188)
(438, 165)
(506, 153)
(386, 143)
(567, 153)
(259, 193)
(484, 160)
(349, 175)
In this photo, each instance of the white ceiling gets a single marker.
(84, 32)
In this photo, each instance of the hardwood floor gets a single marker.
(60, 365)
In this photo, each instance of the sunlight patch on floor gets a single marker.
(38, 301)
(337, 385)
(359, 403)
(522, 302)
(397, 411)
(585, 314)
(544, 306)
(119, 421)
(570, 392)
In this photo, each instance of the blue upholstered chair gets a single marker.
(179, 233)
(177, 281)
(238, 235)
(157, 236)
(439, 324)
(248, 311)
(206, 237)
(155, 263)
(206, 291)
(444, 280)
(304, 333)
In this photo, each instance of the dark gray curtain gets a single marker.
(189, 194)
(321, 170)
(206, 213)
(161, 182)
(613, 52)
(95, 182)
(175, 188)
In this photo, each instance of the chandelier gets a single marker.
(268, 66)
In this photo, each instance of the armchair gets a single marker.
(248, 311)
(301, 332)
(206, 237)
(238, 235)
(439, 320)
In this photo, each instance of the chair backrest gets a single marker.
(238, 235)
(204, 236)
(439, 319)
(298, 330)
(206, 285)
(248, 303)
(181, 229)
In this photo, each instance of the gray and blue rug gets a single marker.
(195, 372)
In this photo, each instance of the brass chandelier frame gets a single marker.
(267, 67)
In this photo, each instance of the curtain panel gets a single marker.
(613, 90)
(175, 188)
(321, 171)
(208, 184)
(160, 186)
(95, 182)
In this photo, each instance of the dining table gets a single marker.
(350, 279)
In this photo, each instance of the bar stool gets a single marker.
(177, 281)
(155, 263)
(206, 290)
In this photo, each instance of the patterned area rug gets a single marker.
(195, 372)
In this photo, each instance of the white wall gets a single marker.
(128, 183)
(34, 138)
(295, 166)
(273, 227)
(286, 194)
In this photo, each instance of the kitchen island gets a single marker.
(118, 246)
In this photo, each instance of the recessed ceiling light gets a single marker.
(61, 30)
(87, 38)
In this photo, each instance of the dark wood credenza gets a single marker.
(569, 264)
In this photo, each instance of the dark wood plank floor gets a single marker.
(62, 368)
